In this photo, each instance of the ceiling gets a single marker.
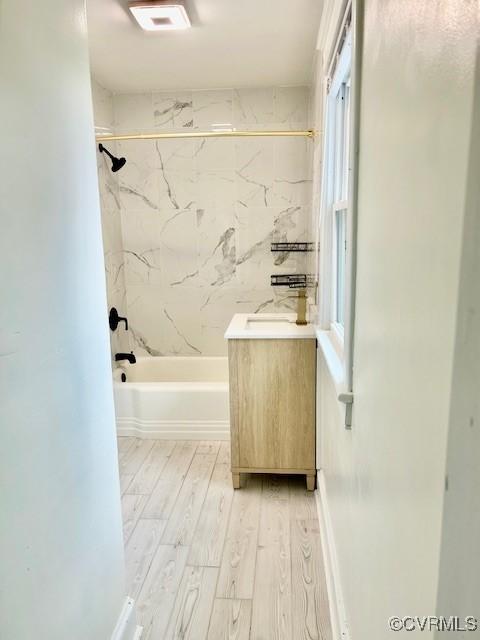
(232, 43)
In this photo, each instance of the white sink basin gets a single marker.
(267, 326)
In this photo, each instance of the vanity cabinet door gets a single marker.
(272, 399)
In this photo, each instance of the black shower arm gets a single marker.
(102, 149)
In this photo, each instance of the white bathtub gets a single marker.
(173, 398)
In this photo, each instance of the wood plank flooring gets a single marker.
(205, 562)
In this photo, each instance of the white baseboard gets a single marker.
(126, 627)
(335, 595)
(174, 429)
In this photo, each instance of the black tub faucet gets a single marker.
(125, 356)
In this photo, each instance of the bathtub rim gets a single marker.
(123, 367)
(171, 386)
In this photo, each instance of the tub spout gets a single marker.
(125, 356)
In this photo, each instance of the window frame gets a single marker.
(333, 200)
(338, 208)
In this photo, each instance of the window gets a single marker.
(340, 204)
(336, 199)
(338, 207)
(340, 266)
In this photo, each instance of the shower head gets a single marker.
(117, 163)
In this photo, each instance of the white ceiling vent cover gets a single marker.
(160, 15)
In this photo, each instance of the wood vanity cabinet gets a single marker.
(272, 407)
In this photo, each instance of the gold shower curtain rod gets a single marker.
(309, 133)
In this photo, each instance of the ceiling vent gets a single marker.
(160, 15)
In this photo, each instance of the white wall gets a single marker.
(385, 479)
(62, 573)
(198, 215)
(459, 583)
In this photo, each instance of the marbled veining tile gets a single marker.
(191, 320)
(291, 106)
(141, 232)
(164, 320)
(221, 304)
(290, 158)
(142, 267)
(216, 312)
(173, 110)
(214, 154)
(108, 185)
(268, 300)
(215, 251)
(103, 107)
(253, 106)
(120, 340)
(286, 191)
(178, 245)
(111, 231)
(141, 228)
(254, 154)
(254, 172)
(175, 154)
(177, 190)
(197, 217)
(110, 216)
(114, 267)
(289, 224)
(292, 183)
(212, 107)
(216, 247)
(176, 175)
(254, 236)
(133, 112)
(257, 229)
(215, 189)
(138, 179)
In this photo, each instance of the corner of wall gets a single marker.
(126, 627)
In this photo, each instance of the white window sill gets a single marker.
(328, 344)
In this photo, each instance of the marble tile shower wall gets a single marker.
(198, 215)
(315, 121)
(110, 211)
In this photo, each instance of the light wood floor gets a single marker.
(205, 562)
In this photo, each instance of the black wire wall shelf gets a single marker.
(297, 247)
(292, 280)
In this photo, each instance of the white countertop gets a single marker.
(267, 326)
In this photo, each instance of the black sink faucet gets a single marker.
(125, 356)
